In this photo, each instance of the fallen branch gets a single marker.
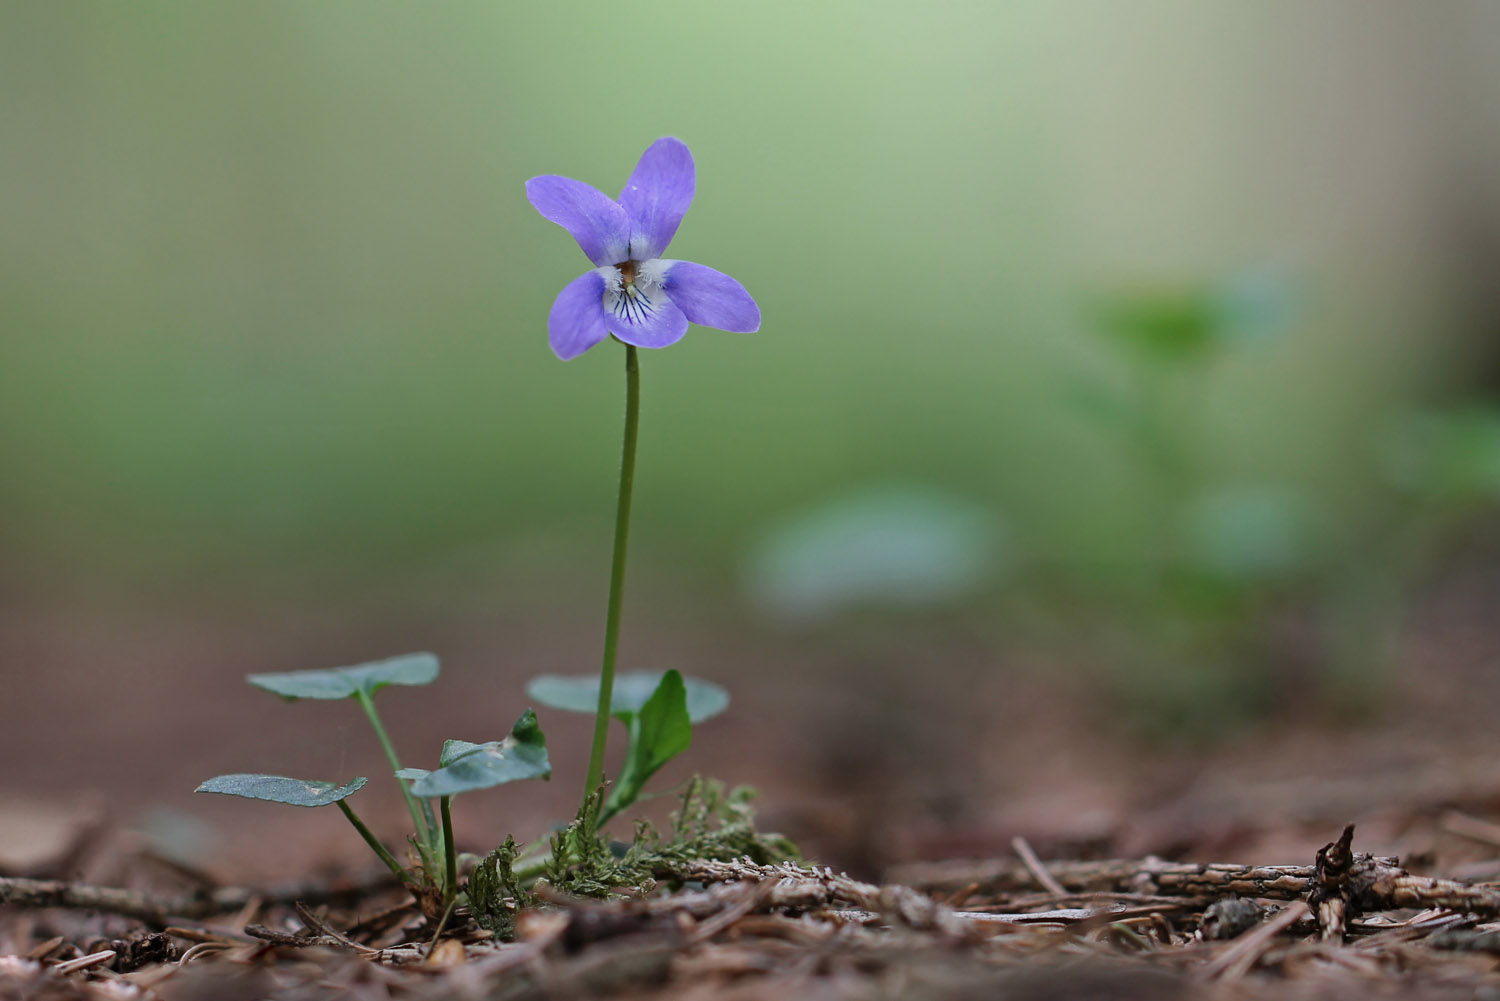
(1191, 880)
(151, 908)
(159, 909)
(1348, 885)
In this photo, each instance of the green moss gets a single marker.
(492, 883)
(710, 824)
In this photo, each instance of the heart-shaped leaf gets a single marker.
(281, 789)
(658, 733)
(344, 682)
(455, 749)
(631, 692)
(464, 766)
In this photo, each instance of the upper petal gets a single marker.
(657, 196)
(596, 221)
(576, 322)
(647, 318)
(708, 297)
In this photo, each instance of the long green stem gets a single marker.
(450, 854)
(616, 573)
(372, 841)
(368, 705)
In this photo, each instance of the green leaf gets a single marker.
(658, 733)
(412, 774)
(280, 789)
(465, 766)
(344, 682)
(632, 690)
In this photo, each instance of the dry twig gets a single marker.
(158, 909)
(803, 888)
(1035, 867)
(1235, 961)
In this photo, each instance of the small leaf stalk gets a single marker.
(424, 834)
(450, 854)
(373, 842)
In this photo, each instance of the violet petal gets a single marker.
(647, 319)
(710, 298)
(576, 322)
(596, 221)
(657, 196)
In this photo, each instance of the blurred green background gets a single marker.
(1152, 287)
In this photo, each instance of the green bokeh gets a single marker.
(274, 299)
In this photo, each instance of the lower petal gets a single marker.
(710, 298)
(644, 317)
(576, 322)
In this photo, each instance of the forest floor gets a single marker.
(1019, 846)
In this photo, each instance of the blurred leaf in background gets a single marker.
(1447, 455)
(1179, 323)
(1251, 533)
(883, 546)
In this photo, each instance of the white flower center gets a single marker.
(633, 289)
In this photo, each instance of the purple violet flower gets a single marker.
(633, 292)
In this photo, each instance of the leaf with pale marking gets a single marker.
(465, 766)
(281, 789)
(345, 682)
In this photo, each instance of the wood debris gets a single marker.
(1347, 925)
